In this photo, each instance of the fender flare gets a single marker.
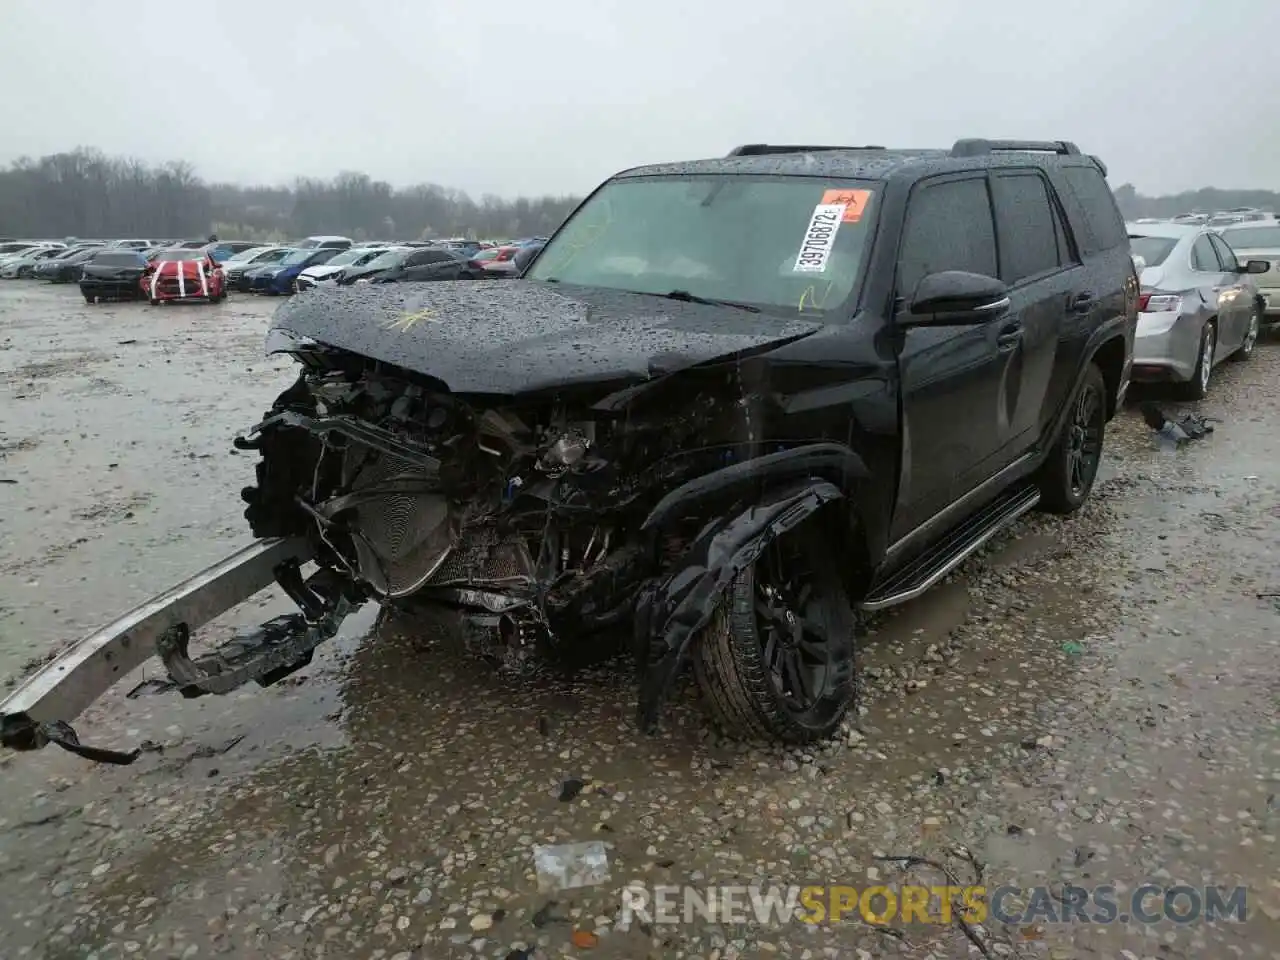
(1113, 330)
(831, 461)
(672, 610)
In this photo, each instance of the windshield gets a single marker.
(348, 257)
(16, 247)
(181, 254)
(1250, 238)
(118, 259)
(1153, 250)
(389, 259)
(790, 243)
(245, 255)
(298, 256)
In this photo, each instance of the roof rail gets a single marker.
(976, 148)
(765, 149)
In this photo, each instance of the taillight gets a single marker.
(1159, 303)
(475, 264)
(505, 255)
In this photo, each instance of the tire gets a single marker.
(1067, 475)
(732, 659)
(1197, 388)
(1250, 337)
(153, 301)
(90, 298)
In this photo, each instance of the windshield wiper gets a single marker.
(686, 297)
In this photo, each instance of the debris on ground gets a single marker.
(568, 866)
(570, 788)
(1170, 433)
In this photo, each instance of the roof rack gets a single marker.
(765, 149)
(974, 147)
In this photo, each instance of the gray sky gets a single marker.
(551, 96)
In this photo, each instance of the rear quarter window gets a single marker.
(1104, 228)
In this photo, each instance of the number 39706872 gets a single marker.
(819, 238)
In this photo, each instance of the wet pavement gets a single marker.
(1091, 701)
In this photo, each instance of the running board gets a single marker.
(82, 673)
(956, 547)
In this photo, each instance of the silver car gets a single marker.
(1198, 304)
(1260, 240)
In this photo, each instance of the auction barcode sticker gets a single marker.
(819, 238)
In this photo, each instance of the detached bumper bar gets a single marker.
(39, 711)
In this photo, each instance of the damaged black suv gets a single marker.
(732, 402)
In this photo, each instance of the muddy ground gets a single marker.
(1091, 701)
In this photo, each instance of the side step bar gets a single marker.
(921, 574)
(61, 690)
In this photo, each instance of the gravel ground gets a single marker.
(1088, 702)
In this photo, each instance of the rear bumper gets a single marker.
(1165, 348)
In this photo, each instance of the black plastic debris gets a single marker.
(546, 914)
(570, 788)
(62, 734)
(1170, 433)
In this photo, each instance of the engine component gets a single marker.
(401, 529)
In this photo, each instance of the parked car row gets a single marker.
(1200, 302)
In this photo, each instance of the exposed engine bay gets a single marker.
(526, 516)
(632, 488)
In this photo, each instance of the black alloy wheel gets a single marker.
(777, 660)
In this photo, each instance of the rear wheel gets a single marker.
(1197, 388)
(777, 659)
(1067, 476)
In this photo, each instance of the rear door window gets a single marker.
(1025, 226)
(1226, 256)
(1203, 257)
(1102, 216)
(949, 227)
(423, 257)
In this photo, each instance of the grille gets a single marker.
(406, 535)
(484, 555)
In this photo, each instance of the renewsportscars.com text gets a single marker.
(825, 904)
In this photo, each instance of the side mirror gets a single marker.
(956, 297)
(1139, 263)
(1255, 266)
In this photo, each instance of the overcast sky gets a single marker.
(551, 96)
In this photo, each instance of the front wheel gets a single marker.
(1067, 476)
(777, 659)
(90, 298)
(1250, 336)
(153, 301)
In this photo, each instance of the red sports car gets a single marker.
(184, 275)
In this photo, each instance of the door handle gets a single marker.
(1009, 337)
(1082, 302)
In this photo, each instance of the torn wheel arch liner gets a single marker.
(673, 610)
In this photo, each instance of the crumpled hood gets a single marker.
(517, 336)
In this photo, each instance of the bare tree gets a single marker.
(83, 193)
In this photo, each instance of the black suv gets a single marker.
(729, 404)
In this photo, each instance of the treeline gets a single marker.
(84, 193)
(1205, 200)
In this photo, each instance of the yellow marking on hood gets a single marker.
(407, 321)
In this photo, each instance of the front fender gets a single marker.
(830, 461)
(671, 611)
